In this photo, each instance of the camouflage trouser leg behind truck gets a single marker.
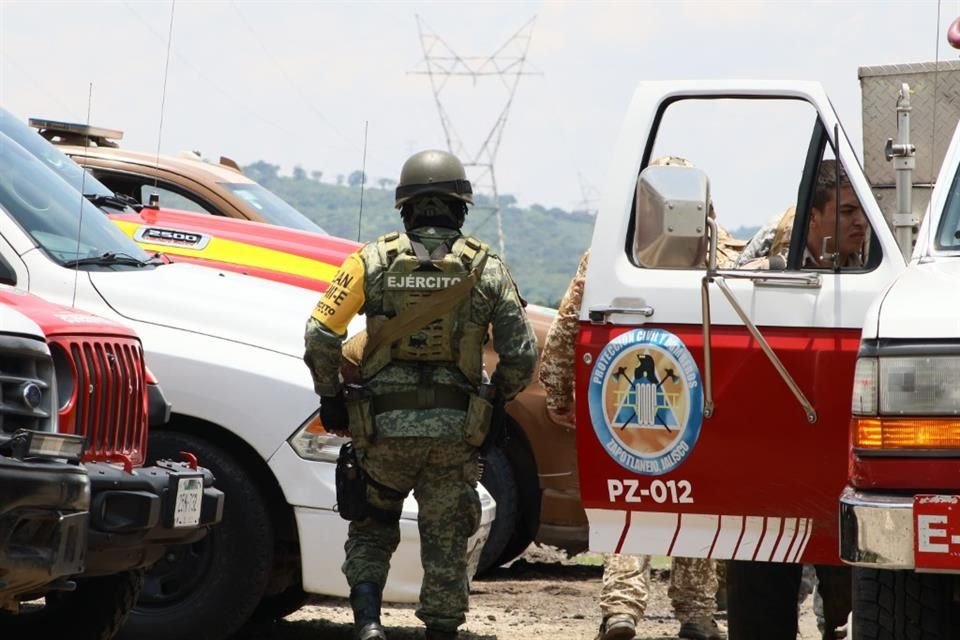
(693, 592)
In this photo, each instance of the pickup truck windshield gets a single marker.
(63, 222)
(63, 166)
(273, 209)
(948, 236)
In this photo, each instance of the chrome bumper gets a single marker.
(876, 530)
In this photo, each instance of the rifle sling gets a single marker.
(426, 311)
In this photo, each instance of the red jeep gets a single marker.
(105, 394)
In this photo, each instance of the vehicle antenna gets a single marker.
(163, 95)
(363, 176)
(83, 180)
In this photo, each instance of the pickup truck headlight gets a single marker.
(313, 442)
(907, 403)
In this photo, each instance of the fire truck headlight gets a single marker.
(926, 386)
(313, 442)
(906, 403)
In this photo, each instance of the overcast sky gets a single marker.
(294, 83)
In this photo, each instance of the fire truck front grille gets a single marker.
(110, 399)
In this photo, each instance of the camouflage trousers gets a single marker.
(443, 476)
(693, 587)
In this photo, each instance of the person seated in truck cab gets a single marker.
(837, 228)
(831, 217)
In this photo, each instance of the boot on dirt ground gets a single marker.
(619, 626)
(365, 600)
(433, 634)
(706, 630)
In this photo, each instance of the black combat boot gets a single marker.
(365, 599)
(433, 634)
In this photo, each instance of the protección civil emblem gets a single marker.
(646, 401)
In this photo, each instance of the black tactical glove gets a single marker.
(333, 414)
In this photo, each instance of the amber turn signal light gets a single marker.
(906, 433)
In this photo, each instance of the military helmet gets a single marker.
(433, 171)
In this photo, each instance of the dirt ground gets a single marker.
(541, 595)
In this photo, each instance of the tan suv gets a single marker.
(533, 475)
(184, 182)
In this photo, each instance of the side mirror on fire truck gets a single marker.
(670, 217)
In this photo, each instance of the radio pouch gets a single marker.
(476, 423)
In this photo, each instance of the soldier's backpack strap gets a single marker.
(426, 311)
(470, 250)
(391, 245)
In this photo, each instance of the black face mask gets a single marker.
(433, 211)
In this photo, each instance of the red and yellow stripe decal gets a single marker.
(242, 253)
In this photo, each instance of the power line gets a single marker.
(441, 62)
(283, 71)
(235, 102)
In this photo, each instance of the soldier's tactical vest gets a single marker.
(411, 274)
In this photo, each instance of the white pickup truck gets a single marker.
(228, 351)
(900, 513)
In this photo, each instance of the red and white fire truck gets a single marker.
(714, 405)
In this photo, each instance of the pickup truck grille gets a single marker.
(26, 393)
(109, 395)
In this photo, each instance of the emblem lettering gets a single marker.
(645, 401)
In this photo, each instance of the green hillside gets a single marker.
(542, 246)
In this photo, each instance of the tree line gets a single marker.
(542, 245)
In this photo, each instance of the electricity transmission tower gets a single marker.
(590, 195)
(440, 63)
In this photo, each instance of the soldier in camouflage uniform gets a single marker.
(420, 418)
(770, 245)
(623, 596)
(773, 239)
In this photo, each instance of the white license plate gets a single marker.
(186, 512)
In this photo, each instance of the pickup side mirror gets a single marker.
(7, 274)
(670, 217)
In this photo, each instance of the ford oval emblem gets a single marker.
(31, 394)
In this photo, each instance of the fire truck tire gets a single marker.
(497, 478)
(529, 495)
(904, 605)
(187, 594)
(94, 611)
(761, 600)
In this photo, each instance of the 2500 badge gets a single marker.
(176, 237)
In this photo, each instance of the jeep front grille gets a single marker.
(27, 396)
(109, 395)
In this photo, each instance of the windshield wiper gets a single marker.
(107, 259)
(116, 200)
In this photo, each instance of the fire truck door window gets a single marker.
(831, 231)
(753, 151)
